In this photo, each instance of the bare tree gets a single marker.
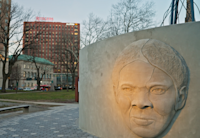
(93, 30)
(130, 15)
(62, 58)
(41, 70)
(16, 75)
(126, 16)
(12, 18)
(68, 55)
(73, 65)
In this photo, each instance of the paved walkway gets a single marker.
(59, 122)
(31, 102)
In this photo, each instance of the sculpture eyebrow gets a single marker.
(127, 84)
(153, 84)
(130, 85)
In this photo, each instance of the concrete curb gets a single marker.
(19, 92)
(41, 103)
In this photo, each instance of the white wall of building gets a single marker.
(29, 72)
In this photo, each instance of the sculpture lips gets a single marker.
(142, 121)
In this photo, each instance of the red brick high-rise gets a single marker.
(50, 41)
(5, 8)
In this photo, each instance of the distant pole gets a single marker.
(172, 12)
(176, 12)
(192, 9)
(76, 90)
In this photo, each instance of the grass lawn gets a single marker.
(57, 96)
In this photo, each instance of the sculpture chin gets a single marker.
(144, 133)
(148, 128)
(143, 127)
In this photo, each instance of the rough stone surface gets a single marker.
(99, 113)
(149, 77)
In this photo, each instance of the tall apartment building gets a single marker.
(52, 40)
(5, 7)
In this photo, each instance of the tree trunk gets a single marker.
(38, 85)
(73, 78)
(4, 85)
(38, 78)
(67, 83)
(16, 86)
(5, 77)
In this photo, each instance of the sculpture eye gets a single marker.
(157, 91)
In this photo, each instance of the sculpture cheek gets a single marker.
(163, 104)
(124, 102)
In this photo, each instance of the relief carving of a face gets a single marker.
(148, 95)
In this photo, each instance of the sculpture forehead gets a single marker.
(140, 74)
(136, 73)
(159, 77)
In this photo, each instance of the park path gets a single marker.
(59, 122)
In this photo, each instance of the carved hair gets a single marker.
(159, 55)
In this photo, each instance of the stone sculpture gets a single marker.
(150, 81)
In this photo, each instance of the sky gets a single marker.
(76, 11)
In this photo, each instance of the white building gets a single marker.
(25, 71)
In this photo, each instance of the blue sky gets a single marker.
(78, 10)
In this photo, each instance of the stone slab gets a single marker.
(98, 110)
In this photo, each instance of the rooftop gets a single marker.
(29, 58)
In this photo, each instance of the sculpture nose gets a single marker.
(141, 100)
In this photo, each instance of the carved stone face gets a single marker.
(146, 97)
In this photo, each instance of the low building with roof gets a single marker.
(24, 72)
